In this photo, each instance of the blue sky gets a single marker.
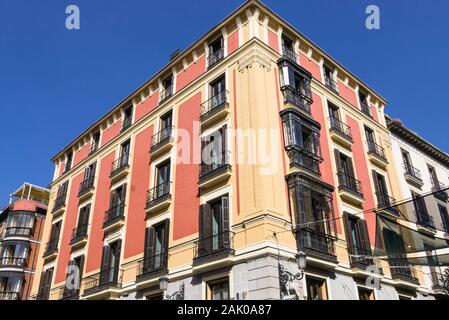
(54, 83)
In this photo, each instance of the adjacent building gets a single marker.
(251, 148)
(21, 228)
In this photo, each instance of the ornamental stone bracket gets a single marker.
(255, 56)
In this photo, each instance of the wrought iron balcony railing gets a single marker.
(403, 272)
(304, 158)
(350, 184)
(215, 164)
(377, 150)
(290, 54)
(341, 127)
(409, 170)
(86, 186)
(162, 137)
(108, 278)
(365, 108)
(215, 57)
(59, 202)
(18, 232)
(316, 244)
(9, 296)
(217, 244)
(297, 98)
(120, 164)
(12, 262)
(152, 265)
(52, 247)
(360, 258)
(126, 123)
(166, 93)
(385, 202)
(79, 233)
(158, 194)
(331, 83)
(213, 104)
(440, 282)
(424, 219)
(439, 190)
(93, 148)
(114, 214)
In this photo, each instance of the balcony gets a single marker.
(214, 250)
(59, 205)
(403, 275)
(340, 132)
(120, 168)
(385, 203)
(149, 269)
(439, 190)
(69, 294)
(114, 218)
(162, 142)
(440, 284)
(350, 189)
(214, 109)
(12, 263)
(216, 171)
(9, 296)
(317, 245)
(331, 84)
(165, 94)
(214, 58)
(159, 198)
(296, 99)
(290, 54)
(365, 108)
(304, 159)
(126, 123)
(18, 232)
(79, 236)
(376, 154)
(51, 250)
(412, 175)
(360, 258)
(102, 285)
(425, 223)
(93, 148)
(86, 188)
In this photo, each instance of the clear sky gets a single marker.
(54, 83)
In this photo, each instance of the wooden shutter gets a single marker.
(376, 182)
(347, 223)
(117, 260)
(149, 249)
(106, 258)
(166, 236)
(123, 194)
(81, 268)
(225, 214)
(224, 144)
(42, 283)
(362, 231)
(337, 161)
(86, 215)
(205, 231)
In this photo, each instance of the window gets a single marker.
(366, 294)
(218, 92)
(10, 287)
(357, 237)
(369, 134)
(218, 289)
(127, 118)
(117, 203)
(20, 223)
(316, 289)
(296, 86)
(167, 88)
(407, 160)
(214, 226)
(68, 164)
(214, 151)
(163, 172)
(345, 171)
(444, 217)
(422, 215)
(110, 263)
(156, 246)
(95, 141)
(89, 177)
(288, 48)
(14, 255)
(83, 221)
(380, 186)
(52, 244)
(329, 79)
(434, 178)
(123, 161)
(75, 270)
(216, 52)
(334, 111)
(45, 285)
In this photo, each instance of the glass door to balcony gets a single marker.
(159, 245)
(217, 92)
(217, 224)
(163, 179)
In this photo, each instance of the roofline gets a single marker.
(31, 186)
(396, 127)
(182, 55)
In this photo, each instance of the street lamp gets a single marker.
(286, 277)
(163, 286)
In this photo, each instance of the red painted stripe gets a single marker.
(237, 179)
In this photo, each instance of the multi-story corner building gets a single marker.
(21, 227)
(251, 146)
(423, 172)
